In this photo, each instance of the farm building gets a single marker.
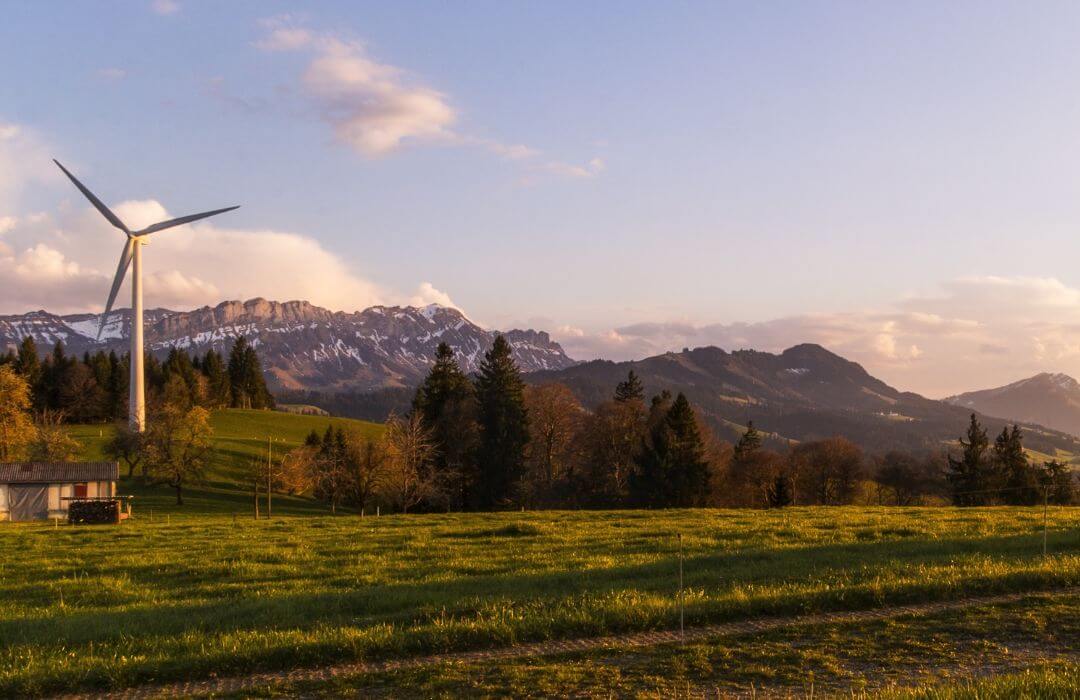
(42, 490)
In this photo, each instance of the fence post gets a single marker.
(682, 629)
(1046, 500)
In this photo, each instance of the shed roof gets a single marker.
(57, 472)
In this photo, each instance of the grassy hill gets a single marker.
(240, 436)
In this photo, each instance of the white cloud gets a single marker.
(371, 110)
(426, 294)
(376, 108)
(165, 7)
(111, 74)
(285, 38)
(184, 268)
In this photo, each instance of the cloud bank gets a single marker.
(972, 333)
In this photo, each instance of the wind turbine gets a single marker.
(132, 256)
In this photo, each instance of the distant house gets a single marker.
(43, 490)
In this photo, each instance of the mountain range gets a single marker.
(1046, 399)
(366, 363)
(803, 393)
(302, 346)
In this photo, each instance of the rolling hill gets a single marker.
(803, 393)
(240, 438)
(1046, 399)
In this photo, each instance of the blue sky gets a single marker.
(898, 181)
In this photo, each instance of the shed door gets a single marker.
(80, 490)
(28, 502)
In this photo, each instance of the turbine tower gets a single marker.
(132, 256)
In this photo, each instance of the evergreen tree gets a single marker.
(446, 404)
(178, 364)
(504, 427)
(28, 364)
(217, 380)
(116, 392)
(1012, 471)
(673, 471)
(53, 375)
(971, 472)
(782, 493)
(1057, 480)
(238, 374)
(630, 390)
(749, 443)
(313, 439)
(255, 382)
(247, 385)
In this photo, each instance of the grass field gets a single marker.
(240, 436)
(110, 607)
(1032, 648)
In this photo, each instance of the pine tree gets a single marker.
(313, 439)
(27, 363)
(116, 392)
(781, 494)
(970, 473)
(749, 443)
(504, 427)
(446, 403)
(178, 364)
(255, 381)
(238, 374)
(1057, 480)
(630, 390)
(218, 388)
(1013, 471)
(673, 471)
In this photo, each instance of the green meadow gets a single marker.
(203, 593)
(241, 437)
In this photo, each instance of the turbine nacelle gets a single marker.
(140, 237)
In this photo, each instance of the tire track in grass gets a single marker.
(239, 684)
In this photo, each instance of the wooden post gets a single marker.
(269, 483)
(255, 495)
(1046, 501)
(681, 612)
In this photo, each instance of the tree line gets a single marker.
(492, 442)
(986, 474)
(94, 388)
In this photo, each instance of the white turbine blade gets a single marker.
(182, 220)
(121, 271)
(113, 218)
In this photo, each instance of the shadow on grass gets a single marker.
(849, 577)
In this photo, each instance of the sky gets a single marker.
(896, 181)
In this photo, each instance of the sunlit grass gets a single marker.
(115, 606)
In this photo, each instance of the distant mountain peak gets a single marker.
(1051, 399)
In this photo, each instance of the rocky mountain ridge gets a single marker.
(302, 346)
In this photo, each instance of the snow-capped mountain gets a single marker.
(1048, 399)
(302, 346)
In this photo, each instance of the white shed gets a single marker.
(42, 490)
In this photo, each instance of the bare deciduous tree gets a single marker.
(52, 443)
(178, 447)
(410, 445)
(555, 420)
